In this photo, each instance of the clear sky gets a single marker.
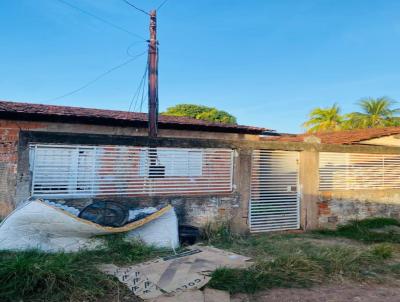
(269, 62)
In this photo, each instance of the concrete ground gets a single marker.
(330, 293)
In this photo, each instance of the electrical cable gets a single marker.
(102, 19)
(139, 88)
(161, 5)
(137, 8)
(98, 77)
(143, 95)
(128, 49)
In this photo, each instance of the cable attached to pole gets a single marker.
(97, 78)
(101, 19)
(137, 8)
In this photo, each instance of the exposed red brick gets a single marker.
(323, 205)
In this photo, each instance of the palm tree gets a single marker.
(374, 113)
(324, 119)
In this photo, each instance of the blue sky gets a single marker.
(269, 62)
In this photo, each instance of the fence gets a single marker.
(351, 171)
(73, 171)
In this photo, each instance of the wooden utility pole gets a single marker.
(153, 76)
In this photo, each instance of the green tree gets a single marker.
(201, 113)
(324, 119)
(374, 113)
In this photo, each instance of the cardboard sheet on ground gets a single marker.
(175, 274)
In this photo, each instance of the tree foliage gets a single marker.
(324, 119)
(201, 113)
(374, 113)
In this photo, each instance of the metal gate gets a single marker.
(275, 203)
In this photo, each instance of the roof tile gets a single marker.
(347, 137)
(113, 117)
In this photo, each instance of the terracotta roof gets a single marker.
(347, 137)
(40, 112)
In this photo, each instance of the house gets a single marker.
(260, 180)
(77, 154)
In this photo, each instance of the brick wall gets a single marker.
(9, 139)
(8, 168)
(340, 207)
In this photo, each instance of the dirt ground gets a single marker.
(331, 293)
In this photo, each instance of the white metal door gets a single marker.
(275, 203)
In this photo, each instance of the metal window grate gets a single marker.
(274, 203)
(73, 171)
(352, 171)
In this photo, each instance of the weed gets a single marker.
(297, 260)
(367, 230)
(37, 276)
(120, 251)
(344, 262)
(236, 280)
(395, 269)
(219, 232)
(383, 251)
(284, 271)
(34, 276)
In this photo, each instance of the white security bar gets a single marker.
(274, 203)
(78, 170)
(352, 171)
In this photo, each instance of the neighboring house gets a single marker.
(260, 180)
(356, 173)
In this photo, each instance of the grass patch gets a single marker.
(300, 265)
(302, 260)
(368, 230)
(34, 276)
(118, 251)
(285, 271)
(37, 276)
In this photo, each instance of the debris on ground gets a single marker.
(175, 274)
(52, 227)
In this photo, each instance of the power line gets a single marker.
(137, 8)
(161, 5)
(142, 100)
(142, 82)
(101, 19)
(98, 77)
(128, 49)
